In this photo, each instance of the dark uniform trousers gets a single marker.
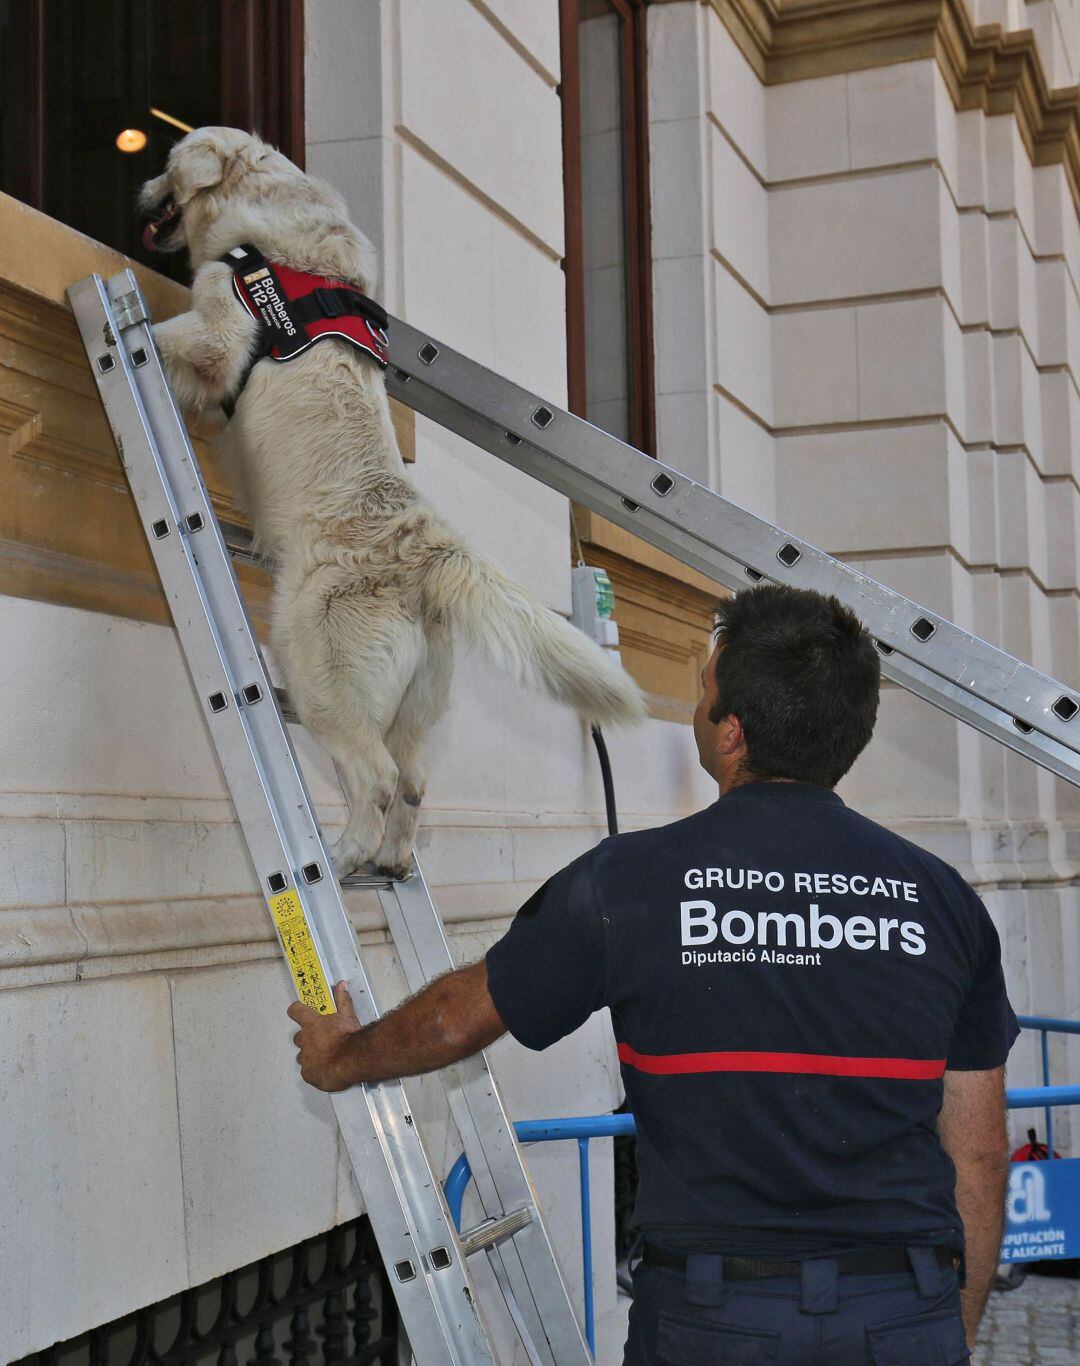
(819, 1318)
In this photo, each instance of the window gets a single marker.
(74, 77)
(664, 611)
(608, 280)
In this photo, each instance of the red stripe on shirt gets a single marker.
(820, 1064)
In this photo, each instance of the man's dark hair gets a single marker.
(801, 673)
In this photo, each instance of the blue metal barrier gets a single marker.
(1047, 1026)
(583, 1128)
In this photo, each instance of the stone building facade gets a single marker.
(861, 268)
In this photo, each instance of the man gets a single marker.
(811, 1019)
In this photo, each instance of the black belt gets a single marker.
(869, 1261)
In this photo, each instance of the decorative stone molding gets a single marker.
(985, 67)
(85, 939)
(69, 532)
(122, 916)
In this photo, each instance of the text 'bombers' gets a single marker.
(701, 925)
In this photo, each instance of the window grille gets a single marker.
(327, 1299)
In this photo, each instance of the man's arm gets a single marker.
(450, 1019)
(971, 1127)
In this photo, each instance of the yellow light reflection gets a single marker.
(131, 140)
(169, 118)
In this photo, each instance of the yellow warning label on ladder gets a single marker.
(311, 985)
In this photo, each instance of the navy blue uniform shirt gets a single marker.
(788, 982)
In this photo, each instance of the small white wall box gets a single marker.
(593, 603)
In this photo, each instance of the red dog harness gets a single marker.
(296, 310)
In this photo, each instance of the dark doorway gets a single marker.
(87, 92)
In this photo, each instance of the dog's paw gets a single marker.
(396, 872)
(348, 859)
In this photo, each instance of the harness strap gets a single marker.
(285, 320)
(337, 303)
(261, 349)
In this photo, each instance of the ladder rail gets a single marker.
(960, 673)
(436, 1295)
(526, 1263)
(522, 1256)
(505, 1261)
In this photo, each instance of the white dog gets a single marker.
(370, 582)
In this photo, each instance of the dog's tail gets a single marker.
(533, 644)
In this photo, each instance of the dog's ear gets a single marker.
(196, 166)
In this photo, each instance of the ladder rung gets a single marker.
(288, 711)
(494, 1231)
(238, 542)
(525, 1265)
(379, 881)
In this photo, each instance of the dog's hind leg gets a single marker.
(348, 661)
(404, 815)
(370, 777)
(424, 702)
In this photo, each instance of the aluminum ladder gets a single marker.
(427, 1259)
(923, 652)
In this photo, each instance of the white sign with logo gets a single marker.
(1042, 1211)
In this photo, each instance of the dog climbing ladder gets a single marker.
(427, 1260)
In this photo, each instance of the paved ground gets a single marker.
(1038, 1324)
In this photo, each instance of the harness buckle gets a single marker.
(330, 302)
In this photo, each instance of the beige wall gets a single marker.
(870, 306)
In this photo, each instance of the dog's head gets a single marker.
(204, 171)
(222, 187)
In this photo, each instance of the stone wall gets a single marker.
(867, 316)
